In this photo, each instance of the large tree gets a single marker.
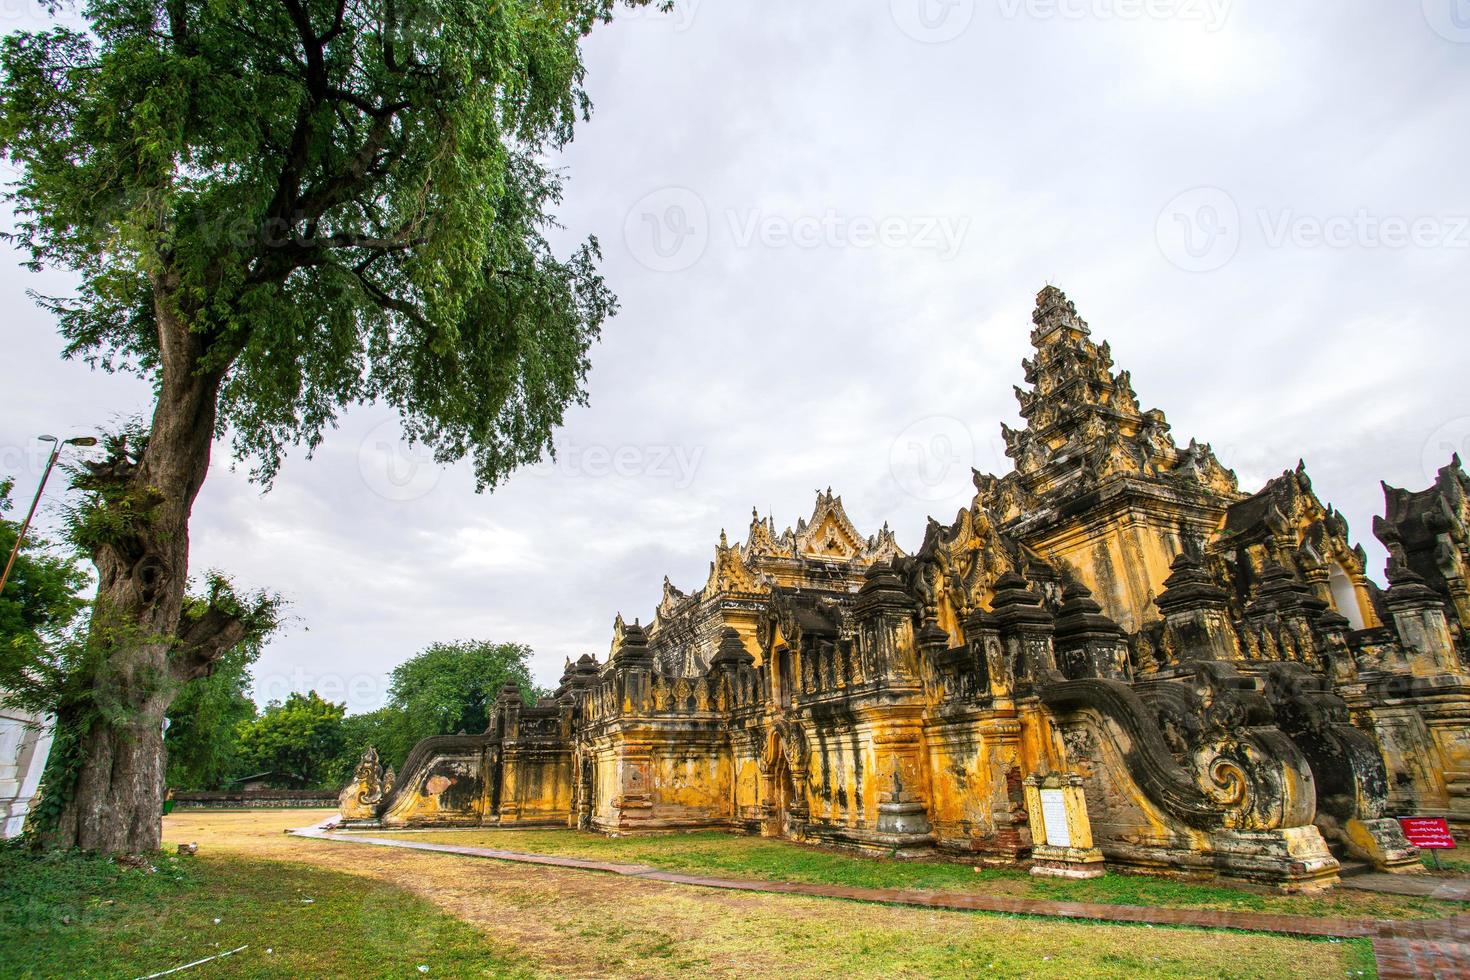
(277, 209)
(449, 687)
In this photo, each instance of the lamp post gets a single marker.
(21, 537)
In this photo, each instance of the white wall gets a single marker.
(23, 750)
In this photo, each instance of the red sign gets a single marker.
(1430, 832)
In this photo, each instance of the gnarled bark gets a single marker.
(116, 798)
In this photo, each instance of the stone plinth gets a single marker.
(903, 822)
(1061, 833)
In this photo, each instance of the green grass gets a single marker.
(733, 856)
(75, 916)
(578, 924)
(1455, 859)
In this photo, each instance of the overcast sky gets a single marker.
(827, 222)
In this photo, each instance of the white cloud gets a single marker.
(777, 369)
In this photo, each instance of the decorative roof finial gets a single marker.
(1055, 312)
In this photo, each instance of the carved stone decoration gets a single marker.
(1352, 783)
(359, 799)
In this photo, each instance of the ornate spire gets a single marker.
(1083, 421)
(1189, 587)
(630, 648)
(1053, 313)
(732, 653)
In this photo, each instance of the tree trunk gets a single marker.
(116, 800)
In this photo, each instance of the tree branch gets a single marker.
(203, 640)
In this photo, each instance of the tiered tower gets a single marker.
(1100, 487)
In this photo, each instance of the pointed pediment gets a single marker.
(762, 537)
(829, 534)
(670, 601)
(729, 573)
(882, 546)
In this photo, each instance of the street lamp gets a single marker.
(55, 452)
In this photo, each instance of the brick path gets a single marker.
(1422, 886)
(1438, 948)
(1420, 958)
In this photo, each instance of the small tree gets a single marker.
(296, 740)
(277, 209)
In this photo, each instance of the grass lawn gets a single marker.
(736, 856)
(1455, 860)
(577, 924)
(72, 916)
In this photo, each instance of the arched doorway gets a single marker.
(1345, 596)
(783, 787)
(585, 803)
(783, 794)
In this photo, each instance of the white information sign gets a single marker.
(1054, 818)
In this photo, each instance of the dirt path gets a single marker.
(585, 924)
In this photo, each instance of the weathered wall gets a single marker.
(444, 783)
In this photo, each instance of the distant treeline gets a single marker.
(217, 735)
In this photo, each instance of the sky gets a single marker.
(826, 223)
